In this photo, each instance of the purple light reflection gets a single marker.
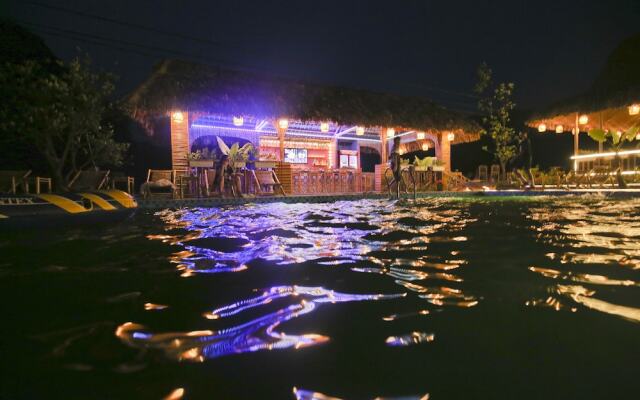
(255, 335)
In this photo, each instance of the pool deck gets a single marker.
(162, 203)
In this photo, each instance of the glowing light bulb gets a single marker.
(425, 146)
(634, 109)
(178, 117)
(359, 130)
(401, 152)
(283, 123)
(391, 132)
(324, 127)
(542, 128)
(238, 121)
(451, 136)
(559, 129)
(583, 119)
(420, 135)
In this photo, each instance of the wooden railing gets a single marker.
(331, 181)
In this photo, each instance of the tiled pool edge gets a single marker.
(160, 203)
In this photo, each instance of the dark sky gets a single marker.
(550, 49)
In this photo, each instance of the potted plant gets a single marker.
(238, 156)
(201, 159)
(438, 165)
(423, 164)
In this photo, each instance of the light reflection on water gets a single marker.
(355, 286)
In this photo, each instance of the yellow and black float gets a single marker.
(43, 209)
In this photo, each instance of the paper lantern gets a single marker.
(559, 129)
(634, 109)
(451, 136)
(425, 146)
(391, 132)
(283, 123)
(542, 128)
(238, 121)
(420, 135)
(178, 117)
(583, 119)
(324, 127)
(359, 130)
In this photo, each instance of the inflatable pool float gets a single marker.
(26, 210)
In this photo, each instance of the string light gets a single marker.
(359, 130)
(559, 129)
(451, 136)
(283, 123)
(542, 128)
(420, 135)
(238, 121)
(178, 117)
(634, 109)
(583, 119)
(324, 127)
(425, 146)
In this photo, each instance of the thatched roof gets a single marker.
(615, 88)
(185, 86)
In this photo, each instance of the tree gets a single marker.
(496, 105)
(617, 140)
(60, 114)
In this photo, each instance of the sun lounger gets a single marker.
(89, 180)
(159, 183)
(10, 181)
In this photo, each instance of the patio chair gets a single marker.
(495, 173)
(185, 182)
(482, 173)
(120, 179)
(210, 181)
(159, 184)
(10, 181)
(267, 180)
(89, 180)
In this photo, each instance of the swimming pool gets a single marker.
(455, 298)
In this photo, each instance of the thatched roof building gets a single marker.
(608, 101)
(196, 88)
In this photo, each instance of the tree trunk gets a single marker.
(621, 183)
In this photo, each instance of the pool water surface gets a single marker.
(528, 298)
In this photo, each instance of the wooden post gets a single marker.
(179, 140)
(576, 142)
(445, 150)
(383, 146)
(281, 134)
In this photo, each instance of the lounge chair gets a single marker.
(495, 173)
(267, 180)
(10, 181)
(89, 180)
(160, 182)
(482, 173)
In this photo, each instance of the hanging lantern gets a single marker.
(559, 129)
(359, 130)
(283, 123)
(451, 136)
(391, 133)
(178, 117)
(420, 135)
(542, 128)
(634, 109)
(324, 127)
(238, 121)
(425, 146)
(583, 119)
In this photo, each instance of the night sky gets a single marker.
(550, 49)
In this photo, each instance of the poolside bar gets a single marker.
(317, 139)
